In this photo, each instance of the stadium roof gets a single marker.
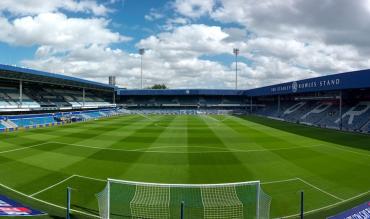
(179, 92)
(342, 81)
(17, 73)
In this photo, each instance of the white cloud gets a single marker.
(34, 7)
(280, 41)
(170, 59)
(175, 58)
(58, 31)
(188, 41)
(193, 8)
(98, 63)
(332, 22)
(172, 23)
(154, 15)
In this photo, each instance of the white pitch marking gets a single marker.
(164, 152)
(144, 150)
(331, 146)
(48, 203)
(52, 186)
(355, 152)
(279, 181)
(210, 117)
(147, 117)
(23, 148)
(140, 149)
(321, 190)
(90, 178)
(325, 207)
(305, 182)
(269, 182)
(226, 117)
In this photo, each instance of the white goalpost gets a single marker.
(128, 199)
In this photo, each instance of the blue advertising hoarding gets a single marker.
(9, 207)
(360, 212)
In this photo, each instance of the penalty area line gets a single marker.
(52, 186)
(64, 180)
(90, 178)
(305, 182)
(279, 181)
(325, 207)
(321, 190)
(47, 203)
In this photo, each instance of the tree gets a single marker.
(159, 87)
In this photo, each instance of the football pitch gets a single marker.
(331, 167)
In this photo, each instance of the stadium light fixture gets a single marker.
(236, 53)
(141, 52)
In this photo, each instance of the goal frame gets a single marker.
(127, 182)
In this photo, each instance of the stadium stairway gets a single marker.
(8, 124)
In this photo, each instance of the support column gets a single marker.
(278, 104)
(251, 108)
(83, 97)
(20, 93)
(114, 97)
(340, 110)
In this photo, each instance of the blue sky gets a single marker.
(188, 42)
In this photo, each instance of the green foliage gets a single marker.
(158, 87)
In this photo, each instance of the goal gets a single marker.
(127, 199)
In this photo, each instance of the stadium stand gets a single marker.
(28, 90)
(2, 127)
(340, 101)
(13, 122)
(9, 98)
(33, 99)
(182, 99)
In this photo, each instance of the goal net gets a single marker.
(126, 199)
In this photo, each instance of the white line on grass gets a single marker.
(48, 203)
(263, 183)
(325, 207)
(230, 150)
(331, 146)
(23, 148)
(52, 186)
(210, 117)
(226, 117)
(279, 181)
(90, 178)
(64, 180)
(145, 150)
(321, 190)
(340, 148)
(305, 182)
(147, 117)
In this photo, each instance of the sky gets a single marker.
(188, 43)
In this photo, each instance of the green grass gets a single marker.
(330, 166)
